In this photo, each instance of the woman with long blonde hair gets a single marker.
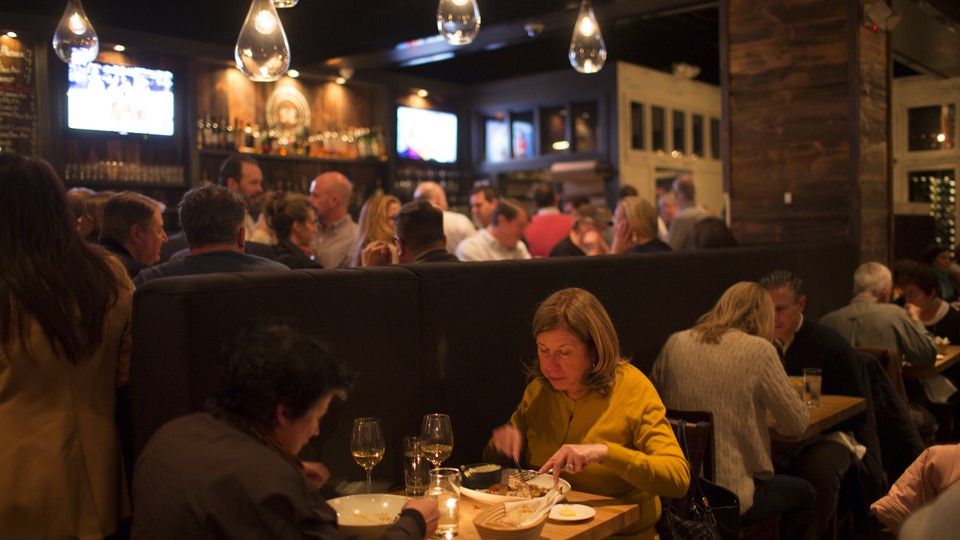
(727, 365)
(376, 223)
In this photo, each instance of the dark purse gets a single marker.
(714, 512)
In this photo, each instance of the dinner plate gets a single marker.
(543, 480)
(580, 512)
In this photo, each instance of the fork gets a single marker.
(525, 476)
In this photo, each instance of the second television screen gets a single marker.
(426, 135)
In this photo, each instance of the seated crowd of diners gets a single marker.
(587, 413)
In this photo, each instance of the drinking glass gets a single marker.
(445, 489)
(414, 467)
(436, 438)
(366, 445)
(812, 378)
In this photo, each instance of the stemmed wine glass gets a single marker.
(366, 445)
(436, 438)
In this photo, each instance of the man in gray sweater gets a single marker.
(870, 320)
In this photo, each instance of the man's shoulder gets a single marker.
(457, 219)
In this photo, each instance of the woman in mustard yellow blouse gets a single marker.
(591, 416)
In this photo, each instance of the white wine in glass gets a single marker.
(366, 445)
(436, 438)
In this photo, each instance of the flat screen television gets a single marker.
(120, 99)
(427, 135)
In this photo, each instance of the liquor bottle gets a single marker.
(208, 140)
(200, 141)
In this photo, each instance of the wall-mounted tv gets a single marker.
(426, 135)
(120, 99)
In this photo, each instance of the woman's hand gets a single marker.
(377, 253)
(572, 458)
(508, 440)
(624, 237)
(429, 510)
(317, 473)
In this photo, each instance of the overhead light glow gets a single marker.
(561, 145)
(941, 137)
(340, 80)
(423, 93)
(293, 73)
(119, 48)
(12, 35)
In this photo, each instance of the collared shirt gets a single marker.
(681, 228)
(484, 247)
(250, 225)
(457, 227)
(333, 245)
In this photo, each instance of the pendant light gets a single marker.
(75, 41)
(458, 21)
(284, 3)
(262, 52)
(587, 50)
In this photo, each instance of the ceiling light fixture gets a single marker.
(285, 3)
(292, 73)
(262, 52)
(75, 41)
(458, 20)
(119, 48)
(587, 50)
(12, 35)
(340, 81)
(423, 93)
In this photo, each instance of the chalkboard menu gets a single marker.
(18, 96)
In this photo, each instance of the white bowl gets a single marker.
(367, 516)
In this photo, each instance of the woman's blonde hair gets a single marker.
(641, 214)
(580, 313)
(373, 224)
(745, 306)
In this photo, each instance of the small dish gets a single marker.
(571, 512)
(480, 475)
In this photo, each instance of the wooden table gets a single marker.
(951, 357)
(612, 516)
(832, 411)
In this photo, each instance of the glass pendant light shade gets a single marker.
(75, 41)
(458, 20)
(587, 50)
(262, 52)
(285, 3)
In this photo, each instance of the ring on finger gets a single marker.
(568, 466)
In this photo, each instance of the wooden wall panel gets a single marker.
(806, 116)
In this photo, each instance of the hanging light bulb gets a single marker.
(75, 41)
(262, 52)
(458, 20)
(587, 50)
(284, 3)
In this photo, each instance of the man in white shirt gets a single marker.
(501, 240)
(456, 226)
(330, 194)
(242, 174)
(689, 214)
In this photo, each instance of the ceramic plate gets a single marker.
(571, 512)
(544, 480)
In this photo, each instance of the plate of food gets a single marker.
(571, 512)
(511, 489)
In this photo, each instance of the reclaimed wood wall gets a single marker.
(806, 101)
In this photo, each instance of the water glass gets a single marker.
(812, 379)
(415, 467)
(444, 487)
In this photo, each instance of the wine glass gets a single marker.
(366, 445)
(436, 438)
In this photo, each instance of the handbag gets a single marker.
(714, 510)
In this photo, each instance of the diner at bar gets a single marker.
(484, 269)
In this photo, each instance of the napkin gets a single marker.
(541, 505)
